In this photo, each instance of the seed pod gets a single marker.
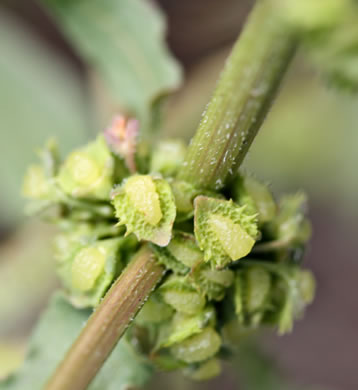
(204, 371)
(223, 230)
(36, 185)
(258, 198)
(213, 283)
(199, 347)
(38, 181)
(257, 288)
(181, 254)
(239, 296)
(88, 172)
(184, 326)
(306, 285)
(168, 157)
(145, 205)
(184, 194)
(154, 311)
(90, 269)
(183, 247)
(177, 292)
(290, 228)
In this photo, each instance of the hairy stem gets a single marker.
(242, 98)
(108, 323)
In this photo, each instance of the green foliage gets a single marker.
(124, 43)
(54, 334)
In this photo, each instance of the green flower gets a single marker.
(89, 269)
(181, 254)
(212, 282)
(199, 347)
(88, 171)
(180, 294)
(224, 231)
(145, 205)
(167, 157)
(256, 196)
(183, 326)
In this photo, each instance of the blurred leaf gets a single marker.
(124, 42)
(11, 356)
(27, 277)
(40, 97)
(54, 334)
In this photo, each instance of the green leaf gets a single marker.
(123, 40)
(56, 331)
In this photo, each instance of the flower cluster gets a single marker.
(232, 258)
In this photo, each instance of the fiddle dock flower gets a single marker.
(168, 157)
(223, 230)
(88, 171)
(145, 205)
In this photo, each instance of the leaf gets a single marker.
(123, 41)
(41, 97)
(54, 334)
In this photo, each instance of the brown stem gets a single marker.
(108, 323)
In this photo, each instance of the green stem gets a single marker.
(242, 98)
(108, 323)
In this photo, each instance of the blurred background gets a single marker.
(309, 142)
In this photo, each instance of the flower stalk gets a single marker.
(243, 96)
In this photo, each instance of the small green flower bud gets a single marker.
(154, 311)
(204, 371)
(145, 205)
(86, 267)
(184, 326)
(88, 172)
(90, 269)
(184, 194)
(36, 184)
(291, 224)
(177, 292)
(223, 230)
(312, 15)
(239, 296)
(256, 196)
(214, 283)
(185, 250)
(306, 285)
(181, 254)
(257, 288)
(168, 157)
(199, 347)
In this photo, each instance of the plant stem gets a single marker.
(108, 323)
(242, 98)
